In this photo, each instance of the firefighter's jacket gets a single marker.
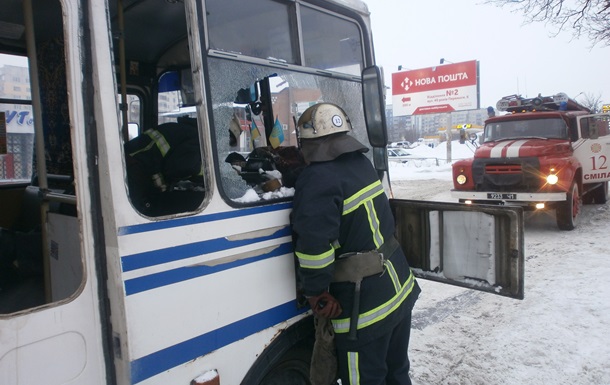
(161, 157)
(340, 207)
(171, 150)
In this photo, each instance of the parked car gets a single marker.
(403, 144)
(398, 155)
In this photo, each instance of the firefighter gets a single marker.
(344, 230)
(157, 161)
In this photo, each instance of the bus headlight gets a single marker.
(552, 179)
(461, 179)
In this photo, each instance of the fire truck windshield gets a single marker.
(549, 128)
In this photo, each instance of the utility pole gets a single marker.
(449, 136)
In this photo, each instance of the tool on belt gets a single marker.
(353, 267)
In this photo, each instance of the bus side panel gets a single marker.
(208, 286)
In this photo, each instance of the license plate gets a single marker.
(501, 196)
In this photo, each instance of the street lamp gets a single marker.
(401, 67)
(443, 60)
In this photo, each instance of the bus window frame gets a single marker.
(209, 53)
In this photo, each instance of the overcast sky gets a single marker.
(513, 58)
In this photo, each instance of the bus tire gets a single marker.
(287, 359)
(567, 212)
(291, 369)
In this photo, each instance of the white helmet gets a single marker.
(323, 119)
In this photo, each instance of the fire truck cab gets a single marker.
(545, 153)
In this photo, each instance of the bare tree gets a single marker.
(590, 18)
(592, 102)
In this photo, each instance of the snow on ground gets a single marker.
(560, 332)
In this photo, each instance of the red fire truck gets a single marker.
(547, 152)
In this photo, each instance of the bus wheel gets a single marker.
(292, 369)
(568, 211)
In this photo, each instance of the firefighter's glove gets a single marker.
(325, 305)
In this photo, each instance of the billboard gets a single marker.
(445, 88)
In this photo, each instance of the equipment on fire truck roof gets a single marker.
(560, 101)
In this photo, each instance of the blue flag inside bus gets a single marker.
(277, 134)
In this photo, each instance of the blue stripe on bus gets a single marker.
(178, 222)
(152, 281)
(158, 362)
(176, 253)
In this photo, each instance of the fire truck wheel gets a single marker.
(568, 211)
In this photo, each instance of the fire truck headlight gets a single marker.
(552, 179)
(461, 179)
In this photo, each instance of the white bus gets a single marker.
(196, 284)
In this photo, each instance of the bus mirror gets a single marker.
(374, 106)
(380, 158)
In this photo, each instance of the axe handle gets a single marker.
(353, 322)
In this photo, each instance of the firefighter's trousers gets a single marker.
(383, 361)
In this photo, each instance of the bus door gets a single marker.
(477, 247)
(50, 314)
